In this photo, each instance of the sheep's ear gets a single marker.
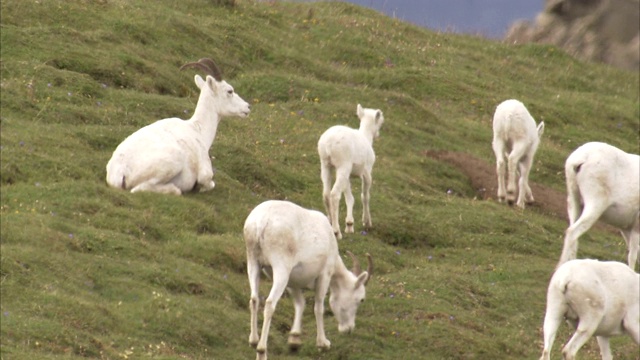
(360, 112)
(211, 82)
(378, 116)
(362, 279)
(199, 81)
(540, 128)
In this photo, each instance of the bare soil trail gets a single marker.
(483, 179)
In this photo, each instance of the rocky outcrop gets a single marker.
(600, 30)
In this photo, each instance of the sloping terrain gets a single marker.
(87, 271)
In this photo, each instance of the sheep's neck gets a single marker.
(339, 276)
(205, 118)
(367, 133)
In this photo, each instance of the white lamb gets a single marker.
(172, 155)
(515, 137)
(603, 182)
(299, 250)
(350, 152)
(597, 298)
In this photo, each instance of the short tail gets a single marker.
(572, 167)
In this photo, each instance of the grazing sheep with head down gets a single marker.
(603, 183)
(172, 155)
(350, 152)
(600, 299)
(299, 250)
(516, 137)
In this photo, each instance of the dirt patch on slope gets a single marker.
(483, 179)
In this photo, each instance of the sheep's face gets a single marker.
(226, 100)
(344, 303)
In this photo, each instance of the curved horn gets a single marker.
(356, 264)
(207, 65)
(216, 72)
(369, 268)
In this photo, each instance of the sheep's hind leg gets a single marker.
(553, 318)
(524, 194)
(366, 187)
(590, 214)
(632, 238)
(325, 176)
(513, 160)
(342, 181)
(587, 326)
(280, 279)
(500, 170)
(350, 201)
(253, 272)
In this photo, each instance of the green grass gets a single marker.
(92, 272)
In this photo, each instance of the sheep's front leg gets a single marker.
(631, 324)
(322, 286)
(605, 349)
(205, 174)
(366, 187)
(296, 330)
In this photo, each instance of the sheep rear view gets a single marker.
(600, 299)
(350, 152)
(172, 155)
(516, 138)
(603, 183)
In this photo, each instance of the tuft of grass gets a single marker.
(92, 272)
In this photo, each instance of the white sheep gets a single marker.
(515, 137)
(297, 247)
(172, 155)
(603, 182)
(350, 152)
(597, 298)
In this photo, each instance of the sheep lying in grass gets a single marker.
(603, 183)
(299, 250)
(172, 155)
(350, 152)
(598, 298)
(515, 137)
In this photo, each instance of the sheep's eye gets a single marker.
(230, 92)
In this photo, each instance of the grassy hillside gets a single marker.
(92, 272)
